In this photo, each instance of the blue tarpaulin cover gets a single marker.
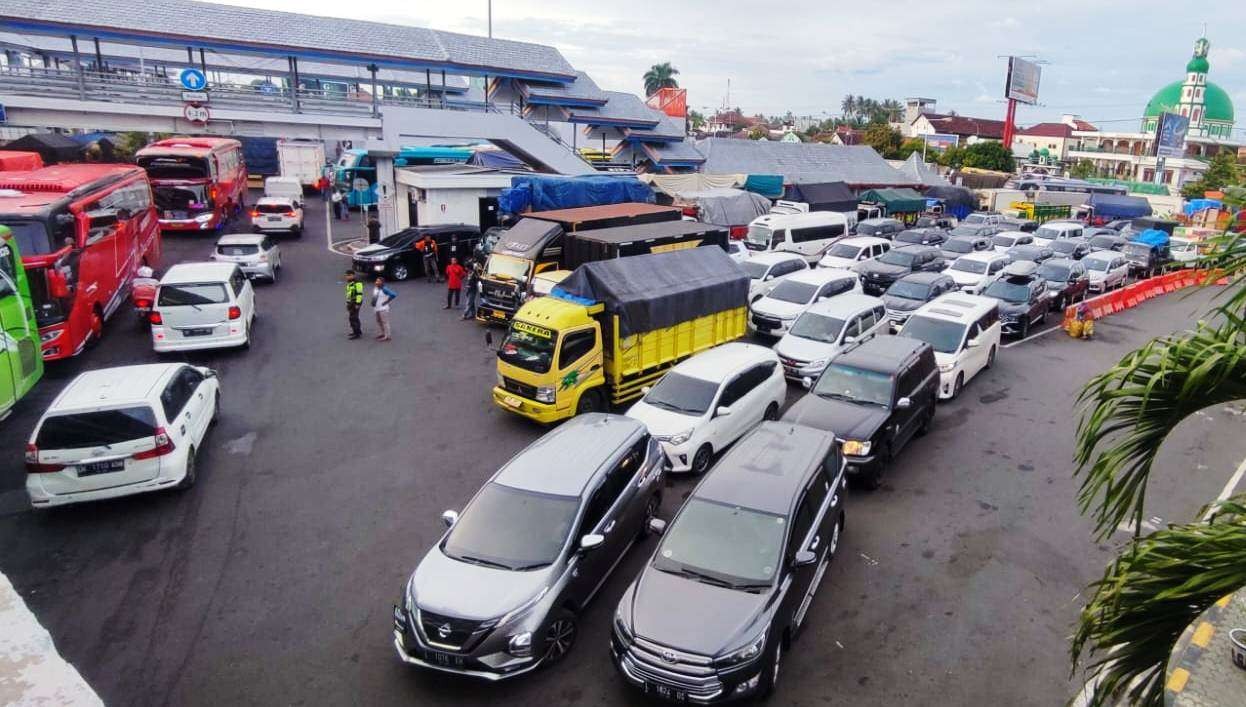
(768, 185)
(1116, 206)
(1194, 206)
(548, 193)
(260, 154)
(957, 201)
(1153, 237)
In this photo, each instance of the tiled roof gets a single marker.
(579, 92)
(1083, 125)
(668, 130)
(228, 27)
(622, 110)
(965, 126)
(674, 152)
(858, 165)
(1048, 130)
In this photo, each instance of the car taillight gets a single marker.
(32, 462)
(164, 445)
(235, 313)
(142, 303)
(290, 214)
(255, 214)
(155, 318)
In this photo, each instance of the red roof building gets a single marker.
(967, 129)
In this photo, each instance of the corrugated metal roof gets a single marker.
(858, 165)
(582, 90)
(669, 129)
(623, 110)
(201, 24)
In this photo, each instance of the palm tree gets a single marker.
(1161, 582)
(893, 109)
(848, 106)
(660, 76)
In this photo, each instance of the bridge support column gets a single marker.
(386, 193)
(294, 84)
(372, 69)
(82, 84)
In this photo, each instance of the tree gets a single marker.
(883, 138)
(1082, 170)
(909, 146)
(892, 109)
(848, 106)
(660, 76)
(1221, 171)
(988, 154)
(758, 132)
(1160, 582)
(696, 119)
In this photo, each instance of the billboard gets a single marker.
(940, 141)
(1022, 83)
(1170, 135)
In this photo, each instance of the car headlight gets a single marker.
(520, 645)
(856, 448)
(545, 394)
(204, 218)
(745, 654)
(681, 437)
(946, 367)
(819, 363)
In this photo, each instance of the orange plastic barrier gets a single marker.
(1134, 294)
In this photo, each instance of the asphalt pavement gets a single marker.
(272, 580)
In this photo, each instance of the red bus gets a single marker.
(198, 182)
(83, 230)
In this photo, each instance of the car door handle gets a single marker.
(183, 429)
(608, 528)
(817, 539)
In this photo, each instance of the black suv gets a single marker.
(878, 274)
(956, 246)
(875, 398)
(397, 258)
(1022, 296)
(1071, 248)
(727, 589)
(912, 291)
(920, 236)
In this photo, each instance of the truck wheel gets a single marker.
(589, 402)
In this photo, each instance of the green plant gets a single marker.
(988, 154)
(883, 138)
(660, 76)
(1082, 170)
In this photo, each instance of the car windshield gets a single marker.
(976, 218)
(1137, 248)
(512, 528)
(854, 385)
(898, 257)
(915, 237)
(1103, 241)
(507, 267)
(174, 167)
(1096, 264)
(755, 271)
(724, 544)
(959, 245)
(758, 237)
(964, 231)
(192, 294)
(977, 267)
(817, 327)
(33, 237)
(1004, 241)
(1025, 252)
(869, 229)
(397, 240)
(1009, 291)
(96, 429)
(528, 346)
(238, 249)
(680, 393)
(1048, 232)
(1054, 272)
(844, 250)
(909, 290)
(942, 335)
(1064, 247)
(794, 292)
(274, 208)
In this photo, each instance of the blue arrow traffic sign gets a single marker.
(192, 79)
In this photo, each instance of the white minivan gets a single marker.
(964, 331)
(766, 270)
(850, 251)
(826, 329)
(120, 431)
(284, 187)
(773, 314)
(808, 234)
(202, 306)
(1055, 230)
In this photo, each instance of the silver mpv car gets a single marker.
(500, 592)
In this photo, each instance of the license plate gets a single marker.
(512, 401)
(101, 467)
(274, 218)
(197, 332)
(443, 659)
(497, 315)
(666, 692)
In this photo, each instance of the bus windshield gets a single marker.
(32, 237)
(175, 167)
(193, 198)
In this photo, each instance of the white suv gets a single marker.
(710, 400)
(964, 331)
(121, 431)
(973, 272)
(765, 270)
(850, 251)
(258, 255)
(826, 329)
(202, 306)
(278, 213)
(773, 314)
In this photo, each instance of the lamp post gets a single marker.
(490, 4)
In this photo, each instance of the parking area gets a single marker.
(272, 580)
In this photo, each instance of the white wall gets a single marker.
(452, 205)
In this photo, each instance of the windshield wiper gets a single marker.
(484, 562)
(835, 396)
(701, 576)
(751, 586)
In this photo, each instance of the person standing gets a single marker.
(374, 230)
(454, 283)
(336, 198)
(431, 273)
(354, 300)
(381, 297)
(473, 291)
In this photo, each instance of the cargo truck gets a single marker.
(614, 327)
(301, 159)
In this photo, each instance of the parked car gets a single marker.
(1067, 281)
(975, 271)
(1055, 230)
(1071, 248)
(202, 306)
(943, 222)
(808, 234)
(1007, 239)
(121, 431)
(1033, 253)
(875, 399)
(912, 291)
(879, 227)
(1118, 225)
(277, 213)
(287, 187)
(1022, 296)
(257, 255)
(1017, 224)
(981, 218)
(1091, 232)
(1185, 252)
(956, 246)
(397, 258)
(850, 251)
(828, 328)
(708, 401)
(729, 587)
(738, 251)
(766, 270)
(964, 331)
(920, 236)
(973, 230)
(878, 274)
(499, 594)
(1107, 270)
(1107, 241)
(774, 314)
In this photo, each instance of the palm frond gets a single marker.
(1147, 597)
(1228, 259)
(1130, 409)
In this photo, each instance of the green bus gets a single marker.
(21, 362)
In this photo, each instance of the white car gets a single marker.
(258, 255)
(826, 329)
(1007, 239)
(975, 271)
(202, 306)
(710, 400)
(120, 431)
(738, 251)
(773, 314)
(1051, 231)
(1107, 269)
(278, 213)
(1185, 252)
(964, 331)
(850, 251)
(765, 270)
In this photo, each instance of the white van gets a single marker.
(850, 251)
(773, 314)
(807, 234)
(287, 187)
(824, 330)
(202, 306)
(964, 331)
(1055, 230)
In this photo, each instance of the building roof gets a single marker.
(582, 91)
(233, 28)
(673, 153)
(668, 129)
(1061, 130)
(922, 173)
(622, 110)
(1079, 124)
(857, 165)
(1217, 106)
(965, 126)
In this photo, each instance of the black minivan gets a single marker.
(874, 399)
(397, 257)
(728, 587)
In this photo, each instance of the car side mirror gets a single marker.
(450, 518)
(804, 558)
(657, 526)
(973, 343)
(722, 411)
(904, 403)
(592, 541)
(58, 286)
(849, 339)
(211, 373)
(807, 382)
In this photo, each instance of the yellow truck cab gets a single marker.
(615, 326)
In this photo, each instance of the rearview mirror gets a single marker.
(58, 286)
(904, 404)
(450, 518)
(804, 558)
(657, 526)
(807, 382)
(722, 411)
(591, 541)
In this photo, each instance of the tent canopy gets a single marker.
(824, 196)
(52, 147)
(896, 201)
(1119, 205)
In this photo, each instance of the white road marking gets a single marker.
(328, 228)
(1032, 337)
(1229, 487)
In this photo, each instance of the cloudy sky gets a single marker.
(1106, 57)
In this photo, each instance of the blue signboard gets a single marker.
(1170, 136)
(193, 79)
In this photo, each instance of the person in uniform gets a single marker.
(354, 300)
